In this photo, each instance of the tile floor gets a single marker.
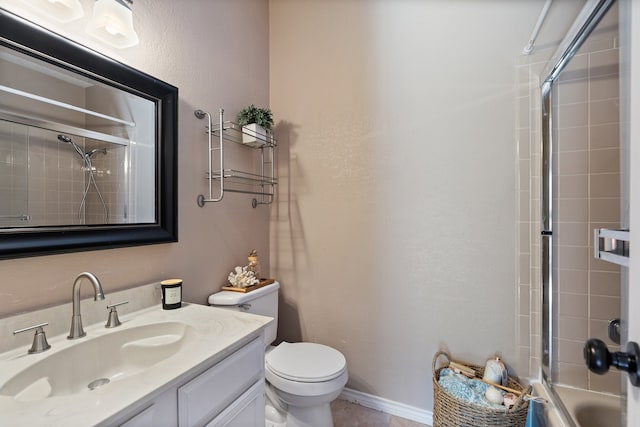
(346, 414)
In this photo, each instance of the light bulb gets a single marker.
(112, 27)
(61, 10)
(112, 23)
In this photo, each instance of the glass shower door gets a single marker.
(14, 170)
(583, 190)
(587, 197)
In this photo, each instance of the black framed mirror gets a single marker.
(88, 147)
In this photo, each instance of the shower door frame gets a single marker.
(586, 21)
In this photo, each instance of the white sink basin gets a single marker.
(98, 362)
(150, 351)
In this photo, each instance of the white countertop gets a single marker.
(218, 333)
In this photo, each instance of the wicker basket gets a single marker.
(449, 411)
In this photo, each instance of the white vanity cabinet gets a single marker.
(227, 392)
(247, 410)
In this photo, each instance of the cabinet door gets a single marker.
(207, 395)
(160, 411)
(142, 419)
(247, 411)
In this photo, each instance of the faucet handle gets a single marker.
(40, 343)
(112, 320)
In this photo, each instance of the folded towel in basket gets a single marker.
(466, 389)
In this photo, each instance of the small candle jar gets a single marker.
(171, 294)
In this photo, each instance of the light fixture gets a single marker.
(61, 10)
(112, 23)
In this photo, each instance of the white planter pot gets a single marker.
(254, 135)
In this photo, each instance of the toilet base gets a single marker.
(310, 416)
(279, 414)
(274, 417)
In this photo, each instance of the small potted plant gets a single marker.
(255, 123)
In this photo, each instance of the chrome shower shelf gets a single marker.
(260, 183)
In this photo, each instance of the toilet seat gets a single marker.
(305, 362)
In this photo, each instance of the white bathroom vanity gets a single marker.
(193, 366)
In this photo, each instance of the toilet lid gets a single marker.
(305, 362)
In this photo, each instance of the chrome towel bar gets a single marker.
(611, 245)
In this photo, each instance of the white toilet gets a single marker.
(302, 378)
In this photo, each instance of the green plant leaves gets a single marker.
(252, 114)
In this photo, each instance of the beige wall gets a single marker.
(394, 229)
(216, 53)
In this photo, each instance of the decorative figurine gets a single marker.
(254, 264)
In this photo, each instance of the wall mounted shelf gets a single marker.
(220, 179)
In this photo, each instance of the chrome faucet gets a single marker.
(76, 321)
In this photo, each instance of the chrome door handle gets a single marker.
(614, 330)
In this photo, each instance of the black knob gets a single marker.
(597, 356)
(598, 359)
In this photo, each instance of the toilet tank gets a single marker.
(262, 301)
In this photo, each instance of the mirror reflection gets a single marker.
(88, 148)
(73, 150)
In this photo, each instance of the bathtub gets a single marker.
(584, 408)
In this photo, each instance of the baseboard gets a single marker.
(387, 406)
